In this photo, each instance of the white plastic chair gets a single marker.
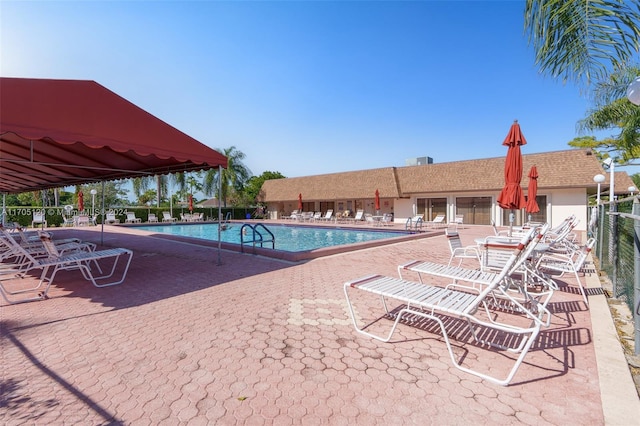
(38, 219)
(458, 251)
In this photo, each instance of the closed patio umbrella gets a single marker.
(377, 200)
(511, 196)
(300, 203)
(191, 203)
(80, 201)
(532, 192)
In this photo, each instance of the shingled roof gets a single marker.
(347, 185)
(573, 168)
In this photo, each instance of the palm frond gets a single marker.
(582, 40)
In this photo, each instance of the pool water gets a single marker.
(287, 238)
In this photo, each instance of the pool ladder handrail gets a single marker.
(410, 227)
(256, 236)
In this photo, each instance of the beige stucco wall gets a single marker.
(565, 202)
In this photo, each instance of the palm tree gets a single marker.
(583, 40)
(592, 41)
(233, 178)
(161, 182)
(613, 111)
(142, 184)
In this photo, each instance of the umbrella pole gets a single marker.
(512, 217)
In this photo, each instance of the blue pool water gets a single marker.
(287, 238)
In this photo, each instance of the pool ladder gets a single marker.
(409, 226)
(256, 237)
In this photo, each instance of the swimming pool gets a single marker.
(287, 238)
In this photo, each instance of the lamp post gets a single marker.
(598, 179)
(595, 212)
(633, 91)
(613, 225)
(93, 201)
(612, 165)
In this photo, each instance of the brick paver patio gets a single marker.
(259, 341)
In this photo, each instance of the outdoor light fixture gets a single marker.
(93, 201)
(631, 189)
(612, 165)
(598, 179)
(633, 91)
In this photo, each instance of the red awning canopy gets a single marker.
(56, 133)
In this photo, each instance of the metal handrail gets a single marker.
(256, 236)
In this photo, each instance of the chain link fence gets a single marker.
(618, 251)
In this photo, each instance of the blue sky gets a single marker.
(308, 87)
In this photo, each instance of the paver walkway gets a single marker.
(259, 341)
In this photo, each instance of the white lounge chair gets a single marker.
(493, 258)
(430, 302)
(437, 222)
(111, 218)
(292, 215)
(131, 218)
(304, 216)
(166, 217)
(56, 261)
(30, 241)
(327, 216)
(557, 264)
(562, 239)
(358, 217)
(152, 218)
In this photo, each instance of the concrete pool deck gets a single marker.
(254, 340)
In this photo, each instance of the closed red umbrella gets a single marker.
(80, 201)
(377, 200)
(511, 196)
(532, 192)
(190, 203)
(299, 203)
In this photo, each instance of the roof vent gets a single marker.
(419, 161)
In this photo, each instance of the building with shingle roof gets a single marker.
(469, 187)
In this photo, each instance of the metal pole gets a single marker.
(219, 213)
(636, 286)
(600, 232)
(44, 212)
(102, 213)
(613, 221)
(4, 209)
(613, 246)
